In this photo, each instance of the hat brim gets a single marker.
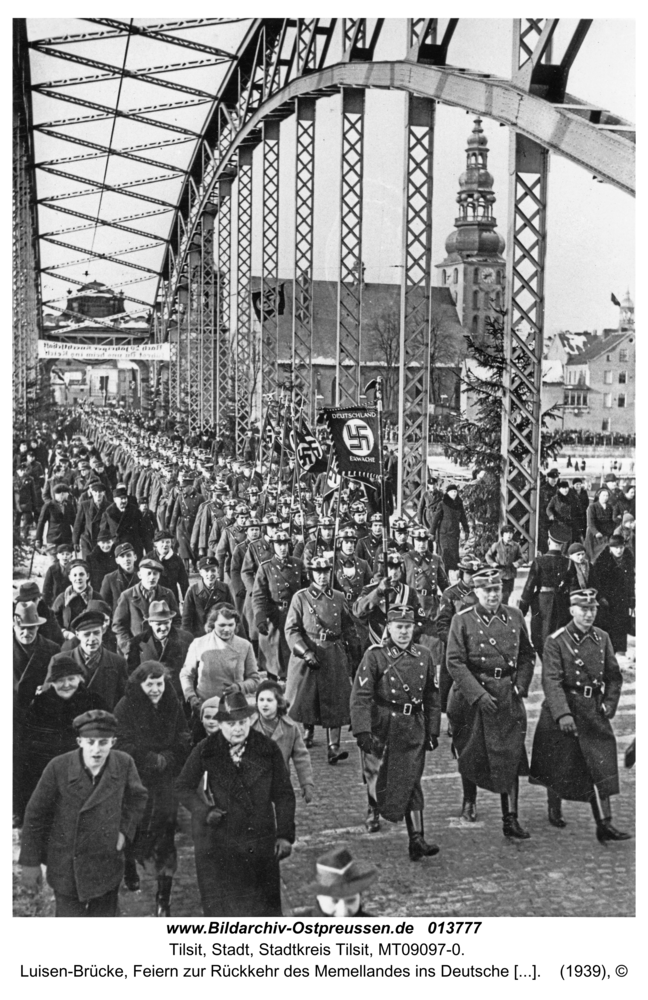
(237, 715)
(39, 621)
(345, 887)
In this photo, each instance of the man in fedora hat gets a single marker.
(134, 603)
(395, 716)
(51, 629)
(106, 671)
(161, 640)
(546, 590)
(339, 885)
(87, 803)
(238, 789)
(574, 748)
(31, 656)
(490, 660)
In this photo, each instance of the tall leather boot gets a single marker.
(418, 846)
(372, 822)
(163, 896)
(469, 804)
(131, 875)
(554, 810)
(602, 811)
(509, 812)
(334, 752)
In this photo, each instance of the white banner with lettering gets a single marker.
(107, 352)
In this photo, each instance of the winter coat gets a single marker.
(54, 583)
(100, 564)
(69, 604)
(148, 733)
(288, 737)
(72, 825)
(173, 573)
(211, 665)
(30, 665)
(59, 519)
(447, 520)
(600, 520)
(146, 647)
(581, 678)
(125, 526)
(106, 677)
(238, 874)
(133, 607)
(87, 525)
(114, 584)
(615, 581)
(198, 603)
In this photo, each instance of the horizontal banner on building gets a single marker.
(108, 352)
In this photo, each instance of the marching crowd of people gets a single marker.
(204, 622)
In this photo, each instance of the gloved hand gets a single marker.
(383, 586)
(310, 659)
(567, 725)
(31, 877)
(431, 743)
(366, 742)
(215, 816)
(488, 703)
(263, 628)
(282, 849)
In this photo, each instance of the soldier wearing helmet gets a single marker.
(276, 581)
(387, 588)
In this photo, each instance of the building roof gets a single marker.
(552, 372)
(602, 345)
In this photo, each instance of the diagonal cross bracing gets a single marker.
(302, 325)
(270, 259)
(116, 113)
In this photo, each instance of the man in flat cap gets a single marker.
(546, 589)
(490, 660)
(122, 518)
(395, 717)
(203, 596)
(89, 517)
(133, 605)
(574, 748)
(125, 576)
(87, 803)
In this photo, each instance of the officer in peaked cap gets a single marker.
(574, 747)
(395, 716)
(546, 590)
(490, 660)
(276, 581)
(318, 686)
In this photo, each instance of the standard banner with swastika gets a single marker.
(354, 431)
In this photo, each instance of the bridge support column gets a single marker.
(350, 281)
(414, 355)
(269, 301)
(224, 362)
(193, 332)
(243, 341)
(302, 326)
(207, 308)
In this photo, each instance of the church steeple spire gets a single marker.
(475, 235)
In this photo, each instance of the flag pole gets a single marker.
(285, 390)
(377, 385)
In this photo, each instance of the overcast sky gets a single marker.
(591, 225)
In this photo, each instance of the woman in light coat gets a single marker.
(274, 723)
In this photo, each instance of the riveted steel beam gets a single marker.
(207, 305)
(116, 112)
(244, 333)
(350, 281)
(224, 364)
(414, 355)
(302, 319)
(269, 300)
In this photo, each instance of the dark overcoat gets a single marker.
(238, 874)
(107, 675)
(389, 676)
(114, 584)
(147, 732)
(489, 653)
(198, 602)
(133, 607)
(275, 584)
(615, 581)
(581, 678)
(320, 619)
(447, 520)
(72, 826)
(146, 647)
(125, 526)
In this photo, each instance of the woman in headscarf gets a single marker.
(153, 730)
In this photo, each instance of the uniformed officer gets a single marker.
(367, 547)
(397, 542)
(322, 544)
(258, 551)
(352, 574)
(237, 586)
(384, 591)
(182, 519)
(425, 572)
(276, 581)
(395, 716)
(546, 590)
(232, 535)
(574, 748)
(490, 660)
(318, 685)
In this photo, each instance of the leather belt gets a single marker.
(497, 674)
(282, 605)
(409, 708)
(324, 635)
(547, 590)
(587, 690)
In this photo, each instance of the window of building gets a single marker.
(608, 357)
(623, 354)
(455, 276)
(607, 377)
(621, 400)
(499, 277)
(476, 276)
(623, 378)
(445, 277)
(475, 300)
(475, 324)
(606, 425)
(607, 400)
(575, 399)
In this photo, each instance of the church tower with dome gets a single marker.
(474, 270)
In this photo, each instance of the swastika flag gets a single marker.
(354, 433)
